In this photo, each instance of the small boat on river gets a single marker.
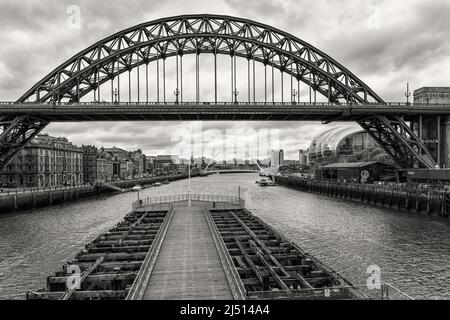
(264, 182)
(136, 188)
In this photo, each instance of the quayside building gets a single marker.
(343, 144)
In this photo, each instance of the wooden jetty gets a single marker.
(210, 247)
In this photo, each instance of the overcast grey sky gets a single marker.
(385, 43)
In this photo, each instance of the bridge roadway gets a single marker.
(187, 266)
(107, 111)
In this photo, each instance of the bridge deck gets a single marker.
(211, 111)
(188, 265)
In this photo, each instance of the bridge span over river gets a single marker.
(110, 81)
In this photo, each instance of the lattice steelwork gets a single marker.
(399, 141)
(158, 40)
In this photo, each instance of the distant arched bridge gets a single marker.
(227, 171)
(87, 87)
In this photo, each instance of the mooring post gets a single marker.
(407, 201)
(418, 199)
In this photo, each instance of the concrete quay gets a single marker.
(30, 199)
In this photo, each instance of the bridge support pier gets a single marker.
(445, 141)
(405, 142)
(434, 131)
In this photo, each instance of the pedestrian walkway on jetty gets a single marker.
(188, 265)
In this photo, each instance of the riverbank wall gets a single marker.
(26, 200)
(403, 198)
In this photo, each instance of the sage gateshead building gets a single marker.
(342, 144)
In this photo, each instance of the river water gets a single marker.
(411, 250)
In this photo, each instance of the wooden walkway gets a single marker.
(188, 265)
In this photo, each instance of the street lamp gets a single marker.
(53, 96)
(294, 94)
(235, 93)
(407, 93)
(176, 93)
(116, 94)
(189, 182)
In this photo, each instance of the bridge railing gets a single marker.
(26, 190)
(149, 201)
(222, 103)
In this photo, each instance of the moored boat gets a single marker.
(264, 182)
(136, 188)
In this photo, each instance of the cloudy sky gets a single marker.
(385, 43)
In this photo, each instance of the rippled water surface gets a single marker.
(412, 250)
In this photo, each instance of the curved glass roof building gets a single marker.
(346, 143)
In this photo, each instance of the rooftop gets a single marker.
(432, 90)
(330, 139)
(114, 149)
(349, 165)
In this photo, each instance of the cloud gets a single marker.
(385, 43)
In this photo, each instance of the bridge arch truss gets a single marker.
(158, 40)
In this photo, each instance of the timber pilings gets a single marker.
(410, 199)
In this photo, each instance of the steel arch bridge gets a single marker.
(101, 64)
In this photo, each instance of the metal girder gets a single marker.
(214, 34)
(17, 131)
(194, 34)
(398, 141)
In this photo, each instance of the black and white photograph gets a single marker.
(225, 155)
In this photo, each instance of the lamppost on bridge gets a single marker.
(176, 93)
(189, 182)
(236, 93)
(53, 96)
(294, 94)
(407, 93)
(116, 94)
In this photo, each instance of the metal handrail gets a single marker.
(402, 189)
(207, 103)
(329, 292)
(234, 280)
(141, 281)
(185, 197)
(397, 290)
(38, 190)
